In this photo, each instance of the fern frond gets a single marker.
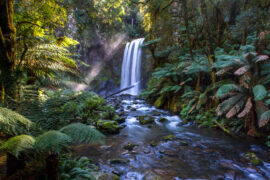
(264, 119)
(259, 92)
(18, 144)
(52, 141)
(12, 123)
(227, 88)
(83, 133)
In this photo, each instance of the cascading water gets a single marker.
(131, 67)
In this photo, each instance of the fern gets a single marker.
(259, 92)
(83, 133)
(52, 141)
(226, 89)
(12, 123)
(18, 144)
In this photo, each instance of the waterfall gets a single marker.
(131, 67)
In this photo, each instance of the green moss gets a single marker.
(110, 127)
(162, 119)
(169, 138)
(146, 120)
(252, 158)
(159, 102)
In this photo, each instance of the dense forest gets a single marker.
(204, 108)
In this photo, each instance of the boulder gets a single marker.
(146, 120)
(162, 119)
(108, 127)
(130, 146)
(253, 159)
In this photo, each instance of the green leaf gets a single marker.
(52, 141)
(83, 133)
(227, 88)
(17, 144)
(264, 119)
(259, 92)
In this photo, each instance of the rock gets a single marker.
(109, 127)
(119, 161)
(151, 176)
(168, 153)
(169, 138)
(121, 120)
(108, 176)
(162, 119)
(133, 109)
(159, 102)
(130, 146)
(116, 118)
(153, 143)
(128, 107)
(183, 143)
(252, 158)
(146, 120)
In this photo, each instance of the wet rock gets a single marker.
(146, 120)
(151, 176)
(119, 161)
(128, 107)
(108, 127)
(162, 119)
(130, 146)
(116, 117)
(252, 158)
(169, 138)
(133, 109)
(121, 120)
(108, 176)
(168, 153)
(183, 143)
(153, 143)
(159, 102)
(146, 151)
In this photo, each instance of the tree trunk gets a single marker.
(7, 46)
(52, 166)
(14, 164)
(244, 35)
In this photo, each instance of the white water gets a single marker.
(131, 67)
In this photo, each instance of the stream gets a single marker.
(171, 151)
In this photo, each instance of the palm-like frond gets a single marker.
(12, 123)
(52, 141)
(18, 144)
(227, 104)
(264, 118)
(228, 88)
(259, 92)
(83, 133)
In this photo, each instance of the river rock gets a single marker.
(108, 127)
(108, 176)
(162, 119)
(119, 161)
(169, 138)
(146, 120)
(152, 176)
(252, 158)
(130, 146)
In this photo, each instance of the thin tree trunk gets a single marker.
(244, 35)
(7, 46)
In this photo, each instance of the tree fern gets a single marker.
(264, 119)
(18, 144)
(83, 133)
(12, 123)
(227, 88)
(52, 141)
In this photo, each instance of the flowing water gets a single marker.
(131, 67)
(194, 153)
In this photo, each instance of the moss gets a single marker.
(162, 119)
(253, 159)
(146, 120)
(130, 146)
(110, 127)
(159, 102)
(153, 143)
(169, 138)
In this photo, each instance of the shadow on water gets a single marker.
(168, 150)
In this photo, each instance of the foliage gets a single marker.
(76, 168)
(12, 123)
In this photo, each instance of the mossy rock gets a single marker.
(109, 127)
(133, 109)
(130, 146)
(146, 120)
(253, 159)
(169, 138)
(116, 117)
(153, 143)
(108, 176)
(159, 102)
(162, 119)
